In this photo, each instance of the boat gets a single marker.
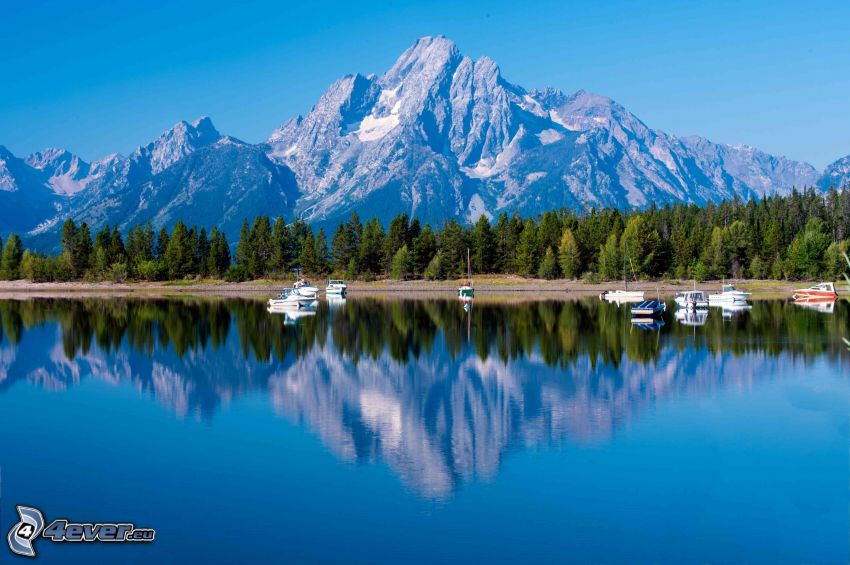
(648, 309)
(692, 317)
(824, 290)
(622, 296)
(336, 287)
(692, 299)
(728, 295)
(305, 289)
(291, 298)
(467, 291)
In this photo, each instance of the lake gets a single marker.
(388, 430)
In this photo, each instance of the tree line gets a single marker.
(803, 235)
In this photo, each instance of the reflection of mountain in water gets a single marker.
(400, 381)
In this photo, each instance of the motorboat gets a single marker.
(648, 309)
(305, 289)
(728, 295)
(692, 317)
(622, 296)
(824, 290)
(692, 299)
(291, 298)
(467, 291)
(336, 287)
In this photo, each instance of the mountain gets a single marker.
(25, 199)
(190, 173)
(438, 135)
(836, 174)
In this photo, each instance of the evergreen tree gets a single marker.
(308, 259)
(569, 255)
(12, 256)
(180, 253)
(219, 259)
(610, 260)
(548, 266)
(322, 259)
(203, 254)
(424, 248)
(483, 247)
(402, 264)
(161, 244)
(526, 253)
(371, 246)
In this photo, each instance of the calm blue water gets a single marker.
(387, 431)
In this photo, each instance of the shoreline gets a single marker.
(492, 284)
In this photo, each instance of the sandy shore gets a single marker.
(483, 284)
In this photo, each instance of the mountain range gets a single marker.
(438, 135)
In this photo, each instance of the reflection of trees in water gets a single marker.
(439, 394)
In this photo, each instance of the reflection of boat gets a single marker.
(622, 296)
(336, 287)
(291, 317)
(692, 317)
(822, 305)
(692, 299)
(730, 311)
(467, 292)
(305, 289)
(648, 323)
(336, 301)
(728, 295)
(651, 309)
(824, 290)
(291, 298)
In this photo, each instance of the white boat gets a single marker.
(291, 298)
(728, 295)
(305, 289)
(692, 300)
(467, 291)
(336, 287)
(623, 296)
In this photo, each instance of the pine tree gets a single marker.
(610, 260)
(402, 264)
(424, 248)
(179, 255)
(548, 266)
(569, 256)
(308, 260)
(322, 259)
(12, 255)
(527, 251)
(483, 247)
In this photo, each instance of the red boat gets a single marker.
(822, 291)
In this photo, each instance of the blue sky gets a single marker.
(103, 77)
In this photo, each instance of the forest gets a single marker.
(803, 235)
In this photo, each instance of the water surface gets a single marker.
(396, 430)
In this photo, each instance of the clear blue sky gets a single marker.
(103, 77)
